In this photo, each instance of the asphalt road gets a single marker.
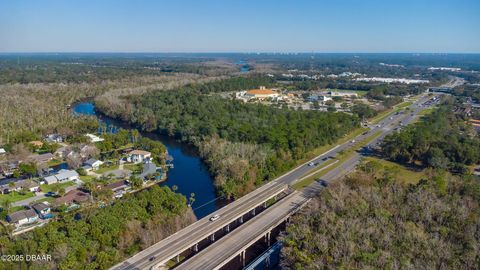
(184, 239)
(200, 230)
(231, 245)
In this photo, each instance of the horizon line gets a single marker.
(231, 52)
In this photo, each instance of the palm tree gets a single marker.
(6, 205)
(11, 185)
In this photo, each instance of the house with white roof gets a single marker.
(137, 156)
(94, 138)
(92, 164)
(62, 176)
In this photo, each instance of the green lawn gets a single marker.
(358, 92)
(426, 111)
(50, 188)
(87, 178)
(15, 196)
(47, 199)
(135, 168)
(403, 174)
(105, 169)
(14, 209)
(54, 162)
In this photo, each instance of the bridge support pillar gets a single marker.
(195, 247)
(227, 228)
(212, 237)
(267, 238)
(253, 211)
(241, 220)
(177, 258)
(265, 205)
(242, 258)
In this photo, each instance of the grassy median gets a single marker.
(339, 159)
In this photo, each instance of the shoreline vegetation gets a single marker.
(243, 144)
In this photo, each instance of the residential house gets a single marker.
(62, 176)
(94, 138)
(73, 196)
(22, 217)
(7, 168)
(92, 164)
(149, 169)
(64, 152)
(87, 150)
(28, 185)
(118, 188)
(54, 138)
(41, 159)
(42, 209)
(137, 156)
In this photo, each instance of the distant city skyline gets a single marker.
(349, 26)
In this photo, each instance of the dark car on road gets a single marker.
(323, 183)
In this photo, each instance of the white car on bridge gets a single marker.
(214, 217)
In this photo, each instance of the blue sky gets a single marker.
(240, 26)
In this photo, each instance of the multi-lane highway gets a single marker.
(233, 244)
(184, 239)
(174, 245)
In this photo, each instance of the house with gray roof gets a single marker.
(42, 209)
(148, 169)
(22, 217)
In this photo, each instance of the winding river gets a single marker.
(189, 173)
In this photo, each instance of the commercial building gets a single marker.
(261, 93)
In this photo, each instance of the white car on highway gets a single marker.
(214, 217)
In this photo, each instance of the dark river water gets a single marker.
(189, 173)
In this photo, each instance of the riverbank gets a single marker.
(189, 174)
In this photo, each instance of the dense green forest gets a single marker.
(96, 68)
(192, 115)
(98, 238)
(367, 223)
(441, 140)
